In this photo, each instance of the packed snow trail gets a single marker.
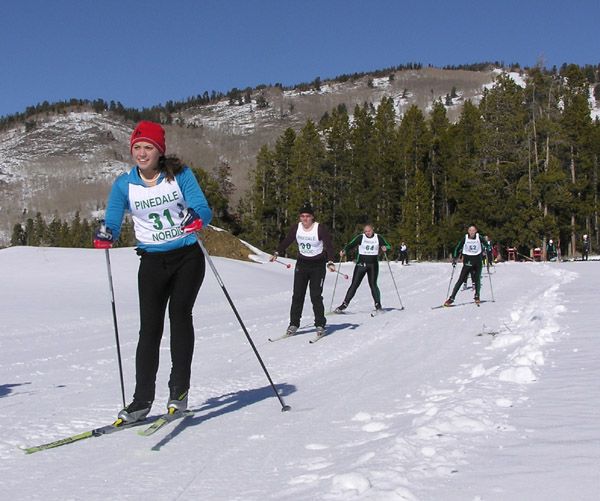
(396, 406)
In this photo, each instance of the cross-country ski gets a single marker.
(96, 432)
(163, 420)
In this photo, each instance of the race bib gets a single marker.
(309, 244)
(369, 246)
(472, 246)
(155, 211)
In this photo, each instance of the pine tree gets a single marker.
(338, 158)
(263, 201)
(54, 232)
(384, 193)
(359, 182)
(19, 237)
(576, 127)
(416, 217)
(75, 231)
(312, 179)
(30, 235)
(283, 166)
(441, 157)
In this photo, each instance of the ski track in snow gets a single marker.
(441, 384)
(445, 421)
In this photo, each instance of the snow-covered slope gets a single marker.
(490, 403)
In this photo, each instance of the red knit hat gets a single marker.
(150, 132)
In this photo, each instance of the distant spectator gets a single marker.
(551, 253)
(586, 248)
(403, 253)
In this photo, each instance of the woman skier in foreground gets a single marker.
(168, 207)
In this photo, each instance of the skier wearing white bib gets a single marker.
(471, 248)
(369, 245)
(167, 207)
(315, 248)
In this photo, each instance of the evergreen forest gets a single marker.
(522, 165)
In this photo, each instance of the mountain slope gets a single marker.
(66, 162)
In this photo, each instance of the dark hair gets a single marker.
(171, 166)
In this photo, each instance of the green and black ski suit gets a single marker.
(367, 263)
(472, 250)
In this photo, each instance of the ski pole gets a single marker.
(334, 286)
(491, 288)
(284, 407)
(393, 280)
(114, 314)
(450, 283)
(343, 274)
(287, 265)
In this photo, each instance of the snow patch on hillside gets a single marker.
(81, 136)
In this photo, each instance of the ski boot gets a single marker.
(135, 411)
(449, 302)
(341, 308)
(291, 330)
(178, 400)
(321, 331)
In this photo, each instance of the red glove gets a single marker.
(191, 221)
(103, 238)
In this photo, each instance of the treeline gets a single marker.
(36, 232)
(522, 165)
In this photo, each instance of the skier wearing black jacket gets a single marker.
(471, 248)
(369, 245)
(315, 248)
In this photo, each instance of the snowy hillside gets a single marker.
(491, 403)
(61, 163)
(57, 164)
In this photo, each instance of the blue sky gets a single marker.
(145, 53)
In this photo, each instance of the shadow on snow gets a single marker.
(230, 402)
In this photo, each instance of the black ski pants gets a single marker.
(172, 277)
(403, 255)
(472, 265)
(309, 274)
(372, 272)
